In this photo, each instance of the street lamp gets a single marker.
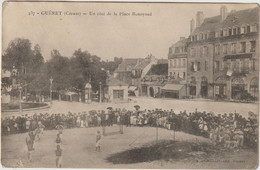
(20, 99)
(100, 92)
(51, 79)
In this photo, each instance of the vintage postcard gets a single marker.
(130, 85)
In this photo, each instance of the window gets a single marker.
(170, 74)
(193, 52)
(201, 36)
(183, 62)
(252, 46)
(221, 33)
(206, 36)
(179, 62)
(177, 50)
(236, 65)
(229, 31)
(174, 63)
(234, 31)
(217, 65)
(243, 47)
(217, 90)
(248, 28)
(201, 51)
(233, 48)
(254, 28)
(253, 65)
(118, 94)
(217, 49)
(243, 30)
(238, 30)
(225, 32)
(216, 34)
(192, 66)
(184, 76)
(225, 47)
(205, 53)
(206, 66)
(198, 66)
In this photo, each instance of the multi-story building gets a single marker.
(133, 71)
(236, 54)
(200, 57)
(177, 60)
(176, 86)
(223, 54)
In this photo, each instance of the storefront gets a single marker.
(177, 91)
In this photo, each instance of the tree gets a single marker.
(58, 67)
(18, 54)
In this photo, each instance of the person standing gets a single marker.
(98, 141)
(29, 143)
(58, 156)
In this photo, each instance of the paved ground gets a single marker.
(79, 150)
(151, 103)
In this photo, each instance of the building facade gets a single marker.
(154, 80)
(223, 55)
(177, 60)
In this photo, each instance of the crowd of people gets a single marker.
(230, 130)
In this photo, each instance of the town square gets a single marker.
(104, 91)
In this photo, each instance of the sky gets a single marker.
(105, 36)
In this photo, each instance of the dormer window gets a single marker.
(225, 32)
(229, 32)
(238, 30)
(254, 28)
(243, 29)
(248, 28)
(234, 31)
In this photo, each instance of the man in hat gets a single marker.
(98, 141)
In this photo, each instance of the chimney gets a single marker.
(192, 25)
(199, 18)
(223, 13)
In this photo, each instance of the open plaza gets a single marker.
(78, 144)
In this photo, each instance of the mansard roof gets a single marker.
(235, 18)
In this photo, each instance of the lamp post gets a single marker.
(100, 92)
(20, 99)
(51, 79)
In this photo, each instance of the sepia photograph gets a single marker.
(130, 85)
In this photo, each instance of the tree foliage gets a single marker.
(68, 73)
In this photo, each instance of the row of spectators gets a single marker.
(230, 130)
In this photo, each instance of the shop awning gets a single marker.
(132, 88)
(172, 87)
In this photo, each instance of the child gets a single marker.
(39, 130)
(58, 140)
(58, 156)
(29, 143)
(98, 140)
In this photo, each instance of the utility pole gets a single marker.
(157, 129)
(51, 79)
(20, 99)
(100, 100)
